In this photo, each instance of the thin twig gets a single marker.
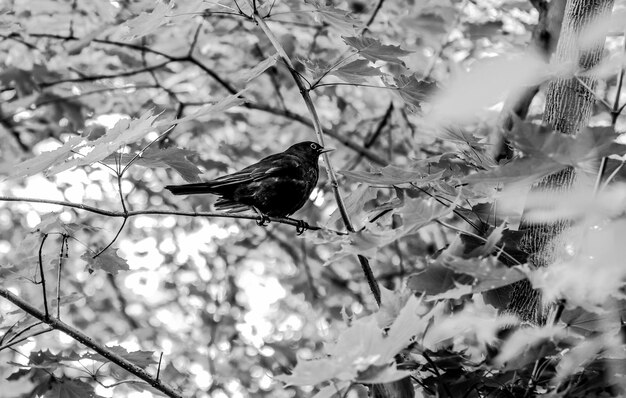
(227, 86)
(15, 342)
(119, 231)
(43, 276)
(159, 367)
(437, 373)
(144, 149)
(102, 77)
(618, 92)
(90, 343)
(62, 253)
(373, 16)
(613, 174)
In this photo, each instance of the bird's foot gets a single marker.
(301, 226)
(263, 220)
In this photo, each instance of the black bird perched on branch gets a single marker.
(275, 186)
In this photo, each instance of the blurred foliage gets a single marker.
(409, 93)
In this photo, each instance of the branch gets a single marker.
(229, 88)
(332, 177)
(134, 213)
(111, 76)
(43, 276)
(90, 343)
(373, 16)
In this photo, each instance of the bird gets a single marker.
(276, 186)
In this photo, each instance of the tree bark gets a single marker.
(545, 36)
(568, 109)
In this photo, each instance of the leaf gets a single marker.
(18, 374)
(108, 261)
(450, 276)
(413, 90)
(374, 50)
(355, 205)
(175, 158)
(527, 345)
(382, 374)
(247, 76)
(436, 279)
(588, 323)
(520, 169)
(124, 132)
(147, 23)
(488, 273)
(356, 71)
(490, 245)
(45, 160)
(541, 142)
(473, 325)
(333, 390)
(207, 111)
(363, 349)
(574, 359)
(335, 17)
(390, 306)
(79, 151)
(65, 387)
(24, 81)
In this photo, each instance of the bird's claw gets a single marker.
(263, 220)
(301, 226)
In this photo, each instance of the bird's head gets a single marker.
(308, 149)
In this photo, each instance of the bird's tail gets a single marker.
(190, 189)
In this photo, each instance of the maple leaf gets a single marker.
(109, 261)
(147, 23)
(374, 50)
(356, 71)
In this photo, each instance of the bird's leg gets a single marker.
(301, 225)
(263, 219)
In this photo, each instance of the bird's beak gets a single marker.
(326, 150)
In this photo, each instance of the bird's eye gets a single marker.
(314, 146)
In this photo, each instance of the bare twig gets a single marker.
(373, 16)
(227, 86)
(63, 253)
(15, 342)
(158, 373)
(119, 231)
(102, 77)
(90, 343)
(43, 275)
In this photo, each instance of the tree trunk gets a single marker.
(568, 109)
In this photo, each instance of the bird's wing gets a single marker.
(271, 166)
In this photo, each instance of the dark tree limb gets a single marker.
(90, 343)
